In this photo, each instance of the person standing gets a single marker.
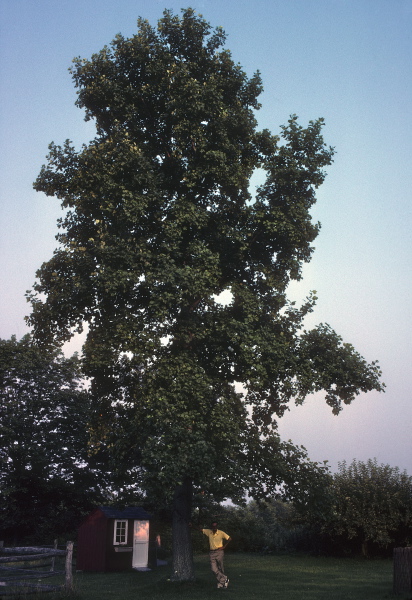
(216, 552)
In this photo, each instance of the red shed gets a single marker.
(114, 540)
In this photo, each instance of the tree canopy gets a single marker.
(181, 274)
(47, 480)
(372, 505)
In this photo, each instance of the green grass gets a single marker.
(251, 577)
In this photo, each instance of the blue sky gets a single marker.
(349, 61)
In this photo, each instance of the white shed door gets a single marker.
(140, 544)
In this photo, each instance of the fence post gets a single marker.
(54, 557)
(69, 561)
(402, 570)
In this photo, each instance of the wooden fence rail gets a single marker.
(20, 565)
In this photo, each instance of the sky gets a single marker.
(349, 61)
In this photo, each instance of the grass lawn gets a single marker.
(251, 576)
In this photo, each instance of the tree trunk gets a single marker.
(402, 570)
(183, 569)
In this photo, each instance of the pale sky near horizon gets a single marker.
(349, 61)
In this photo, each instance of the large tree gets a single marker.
(181, 274)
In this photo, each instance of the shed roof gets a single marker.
(130, 512)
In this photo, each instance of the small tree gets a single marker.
(372, 504)
(47, 479)
(160, 223)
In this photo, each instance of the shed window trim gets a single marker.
(120, 532)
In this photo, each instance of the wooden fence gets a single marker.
(22, 569)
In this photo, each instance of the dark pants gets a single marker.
(216, 564)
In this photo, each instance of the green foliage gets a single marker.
(159, 223)
(372, 506)
(265, 527)
(47, 479)
(341, 371)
